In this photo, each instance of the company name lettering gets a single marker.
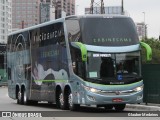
(112, 40)
(47, 36)
(49, 53)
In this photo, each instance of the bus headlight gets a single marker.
(137, 89)
(91, 89)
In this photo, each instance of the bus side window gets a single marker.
(9, 73)
(81, 69)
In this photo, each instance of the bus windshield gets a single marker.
(110, 65)
(108, 31)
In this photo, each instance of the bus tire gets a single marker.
(60, 100)
(63, 101)
(19, 97)
(72, 106)
(119, 107)
(25, 100)
(57, 98)
(24, 97)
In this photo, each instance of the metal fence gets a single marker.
(151, 77)
(3, 77)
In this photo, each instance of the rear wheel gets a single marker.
(24, 97)
(19, 97)
(58, 98)
(72, 106)
(25, 100)
(61, 100)
(119, 107)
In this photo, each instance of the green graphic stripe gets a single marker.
(83, 50)
(51, 81)
(148, 49)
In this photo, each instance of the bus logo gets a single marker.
(117, 92)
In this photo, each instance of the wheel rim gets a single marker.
(61, 99)
(25, 97)
(19, 96)
(70, 100)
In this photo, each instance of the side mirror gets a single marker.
(148, 49)
(83, 49)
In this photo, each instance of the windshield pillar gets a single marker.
(79, 67)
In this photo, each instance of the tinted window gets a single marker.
(108, 31)
(73, 30)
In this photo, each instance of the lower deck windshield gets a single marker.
(104, 65)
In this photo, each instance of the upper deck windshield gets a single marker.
(108, 31)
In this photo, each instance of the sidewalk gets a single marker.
(143, 106)
(3, 84)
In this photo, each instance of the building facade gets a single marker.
(63, 7)
(117, 10)
(5, 19)
(57, 8)
(142, 30)
(25, 13)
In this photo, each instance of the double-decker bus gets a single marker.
(77, 60)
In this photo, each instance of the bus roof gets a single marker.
(68, 17)
(39, 25)
(98, 16)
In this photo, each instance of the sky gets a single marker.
(138, 10)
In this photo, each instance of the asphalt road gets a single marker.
(88, 113)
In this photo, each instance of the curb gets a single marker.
(143, 107)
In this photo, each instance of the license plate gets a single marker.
(117, 100)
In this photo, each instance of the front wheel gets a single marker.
(119, 107)
(72, 106)
(61, 102)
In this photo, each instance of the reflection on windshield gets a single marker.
(101, 65)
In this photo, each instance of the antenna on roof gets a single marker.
(97, 7)
(122, 8)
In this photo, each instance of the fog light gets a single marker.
(139, 97)
(91, 98)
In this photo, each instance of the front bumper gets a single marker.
(99, 99)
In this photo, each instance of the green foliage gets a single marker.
(155, 45)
